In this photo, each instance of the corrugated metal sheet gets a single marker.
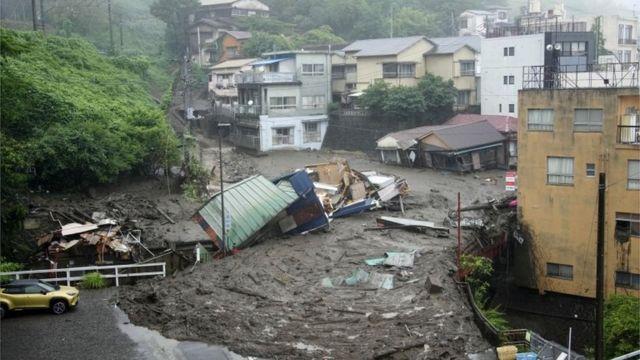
(250, 205)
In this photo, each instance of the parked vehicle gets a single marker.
(36, 294)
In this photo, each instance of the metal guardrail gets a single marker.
(252, 77)
(536, 27)
(115, 273)
(627, 41)
(611, 75)
(632, 355)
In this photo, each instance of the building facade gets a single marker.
(222, 80)
(503, 69)
(476, 22)
(282, 102)
(620, 35)
(566, 137)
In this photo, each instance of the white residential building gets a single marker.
(222, 81)
(476, 22)
(513, 57)
(620, 35)
(282, 102)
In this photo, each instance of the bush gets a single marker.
(6, 266)
(478, 270)
(93, 280)
(621, 325)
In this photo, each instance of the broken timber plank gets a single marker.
(165, 215)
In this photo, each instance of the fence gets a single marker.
(611, 75)
(108, 272)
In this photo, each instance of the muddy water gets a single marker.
(153, 346)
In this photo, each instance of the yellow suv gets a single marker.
(37, 294)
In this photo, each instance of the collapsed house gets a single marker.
(297, 203)
(463, 147)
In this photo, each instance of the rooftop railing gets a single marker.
(536, 27)
(613, 75)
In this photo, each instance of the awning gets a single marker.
(267, 62)
(356, 94)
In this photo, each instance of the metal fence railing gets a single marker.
(610, 75)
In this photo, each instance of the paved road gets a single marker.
(94, 330)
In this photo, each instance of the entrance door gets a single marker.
(475, 157)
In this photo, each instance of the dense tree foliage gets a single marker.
(621, 325)
(174, 13)
(361, 19)
(320, 36)
(72, 117)
(262, 42)
(433, 99)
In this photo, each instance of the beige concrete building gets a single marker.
(566, 137)
(457, 58)
(620, 35)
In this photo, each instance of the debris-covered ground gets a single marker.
(298, 296)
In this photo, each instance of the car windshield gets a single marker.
(47, 286)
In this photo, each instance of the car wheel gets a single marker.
(58, 307)
(3, 311)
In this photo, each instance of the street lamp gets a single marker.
(223, 130)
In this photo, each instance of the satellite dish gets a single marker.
(549, 47)
(250, 102)
(558, 46)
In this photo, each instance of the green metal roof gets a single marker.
(249, 204)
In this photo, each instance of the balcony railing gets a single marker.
(238, 113)
(613, 75)
(246, 141)
(536, 27)
(629, 129)
(252, 77)
(627, 41)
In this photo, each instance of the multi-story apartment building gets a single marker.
(457, 59)
(222, 80)
(282, 102)
(502, 69)
(620, 35)
(572, 127)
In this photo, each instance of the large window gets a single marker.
(627, 225)
(394, 70)
(627, 280)
(633, 175)
(282, 102)
(573, 48)
(337, 72)
(311, 132)
(540, 119)
(512, 108)
(313, 102)
(313, 69)
(560, 271)
(463, 97)
(587, 120)
(467, 68)
(559, 170)
(282, 136)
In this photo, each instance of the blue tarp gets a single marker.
(306, 213)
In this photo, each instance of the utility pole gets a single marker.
(121, 39)
(34, 15)
(42, 15)
(391, 30)
(600, 271)
(110, 27)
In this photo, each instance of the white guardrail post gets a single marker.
(68, 277)
(117, 280)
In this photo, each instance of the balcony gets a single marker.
(251, 77)
(629, 130)
(627, 41)
(246, 114)
(613, 75)
(535, 26)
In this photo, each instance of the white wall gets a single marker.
(529, 51)
(267, 124)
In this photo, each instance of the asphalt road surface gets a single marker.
(95, 329)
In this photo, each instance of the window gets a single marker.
(313, 102)
(620, 32)
(509, 51)
(633, 175)
(463, 97)
(33, 289)
(14, 290)
(508, 80)
(282, 102)
(350, 69)
(627, 225)
(627, 280)
(540, 119)
(559, 170)
(406, 70)
(573, 48)
(499, 107)
(282, 136)
(337, 72)
(311, 132)
(313, 69)
(512, 108)
(591, 170)
(502, 15)
(390, 70)
(467, 68)
(560, 271)
(463, 23)
(587, 120)
(232, 51)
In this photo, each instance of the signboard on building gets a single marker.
(510, 181)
